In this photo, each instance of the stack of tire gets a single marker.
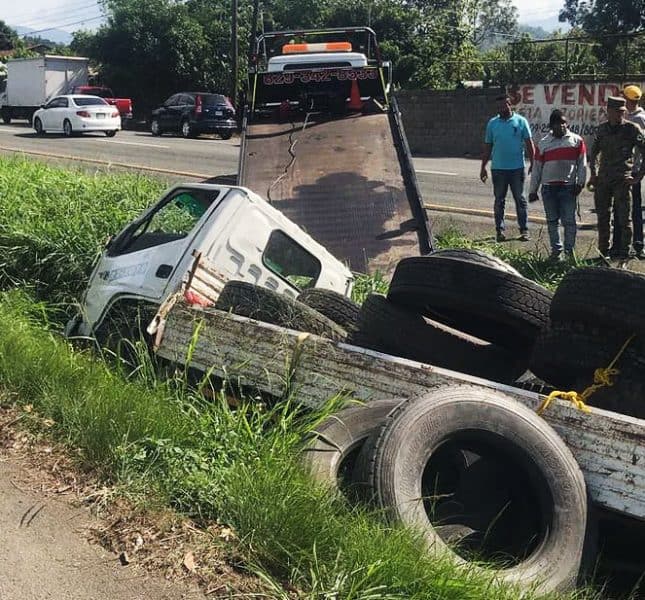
(594, 312)
(486, 480)
(322, 312)
(458, 309)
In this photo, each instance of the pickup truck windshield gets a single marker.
(173, 220)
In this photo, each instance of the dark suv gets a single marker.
(192, 113)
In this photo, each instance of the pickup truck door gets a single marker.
(153, 253)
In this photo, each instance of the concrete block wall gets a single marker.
(447, 123)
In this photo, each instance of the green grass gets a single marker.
(54, 222)
(213, 463)
(163, 441)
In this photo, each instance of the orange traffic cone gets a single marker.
(355, 102)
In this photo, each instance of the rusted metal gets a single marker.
(609, 447)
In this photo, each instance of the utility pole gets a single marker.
(234, 59)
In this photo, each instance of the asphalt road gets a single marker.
(450, 184)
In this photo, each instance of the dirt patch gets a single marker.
(66, 536)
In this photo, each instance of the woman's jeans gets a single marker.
(502, 180)
(560, 207)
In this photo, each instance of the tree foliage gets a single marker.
(8, 37)
(605, 16)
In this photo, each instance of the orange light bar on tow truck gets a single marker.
(320, 47)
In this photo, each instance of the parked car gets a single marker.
(193, 113)
(123, 104)
(72, 114)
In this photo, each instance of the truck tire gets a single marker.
(386, 327)
(38, 126)
(330, 452)
(334, 306)
(111, 133)
(485, 302)
(5, 113)
(566, 355)
(476, 256)
(227, 135)
(155, 127)
(601, 296)
(263, 304)
(68, 131)
(543, 510)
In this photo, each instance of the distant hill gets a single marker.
(57, 36)
(549, 25)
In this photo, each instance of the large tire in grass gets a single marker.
(567, 354)
(601, 296)
(330, 453)
(544, 505)
(490, 304)
(477, 257)
(340, 309)
(263, 304)
(386, 327)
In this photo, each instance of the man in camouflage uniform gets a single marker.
(611, 164)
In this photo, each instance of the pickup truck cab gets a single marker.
(124, 105)
(241, 236)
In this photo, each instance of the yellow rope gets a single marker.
(601, 378)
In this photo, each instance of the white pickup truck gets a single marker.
(240, 235)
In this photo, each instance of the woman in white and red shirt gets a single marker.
(561, 167)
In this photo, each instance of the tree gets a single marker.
(605, 16)
(8, 37)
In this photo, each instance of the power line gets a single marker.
(31, 33)
(56, 13)
(86, 12)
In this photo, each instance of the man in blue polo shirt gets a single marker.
(508, 138)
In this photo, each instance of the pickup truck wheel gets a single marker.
(601, 296)
(331, 449)
(475, 256)
(6, 117)
(227, 135)
(263, 304)
(110, 133)
(122, 327)
(522, 497)
(386, 327)
(155, 128)
(566, 355)
(38, 126)
(68, 131)
(485, 302)
(335, 306)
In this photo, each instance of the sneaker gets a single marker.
(555, 256)
(570, 255)
(640, 254)
(500, 237)
(524, 236)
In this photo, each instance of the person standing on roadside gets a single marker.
(612, 175)
(636, 114)
(561, 167)
(508, 138)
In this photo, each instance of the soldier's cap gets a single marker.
(616, 103)
(632, 92)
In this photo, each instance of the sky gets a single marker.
(70, 15)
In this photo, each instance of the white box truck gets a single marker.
(31, 82)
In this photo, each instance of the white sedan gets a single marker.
(77, 113)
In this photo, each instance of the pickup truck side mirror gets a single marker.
(42, 106)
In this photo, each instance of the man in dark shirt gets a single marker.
(611, 163)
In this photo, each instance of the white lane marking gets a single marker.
(437, 172)
(136, 144)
